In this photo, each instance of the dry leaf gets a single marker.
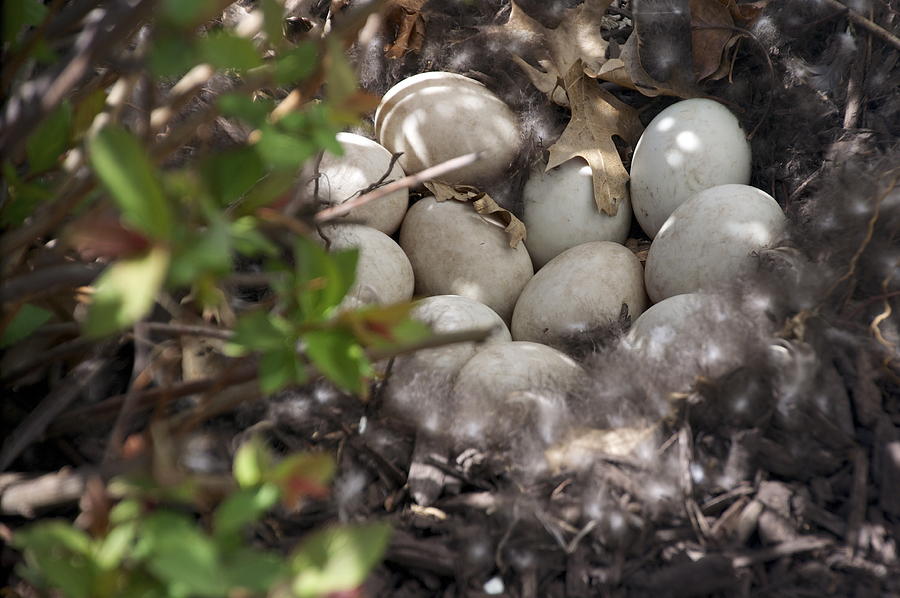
(576, 39)
(483, 204)
(712, 31)
(405, 16)
(627, 71)
(597, 116)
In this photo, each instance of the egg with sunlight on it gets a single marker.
(560, 212)
(363, 164)
(690, 146)
(580, 290)
(710, 240)
(456, 251)
(433, 117)
(383, 272)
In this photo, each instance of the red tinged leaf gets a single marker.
(101, 234)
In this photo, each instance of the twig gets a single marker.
(145, 399)
(866, 24)
(181, 93)
(48, 280)
(75, 346)
(188, 330)
(407, 181)
(33, 103)
(437, 340)
(34, 425)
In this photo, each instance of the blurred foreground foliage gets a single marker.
(91, 182)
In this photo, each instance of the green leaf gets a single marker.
(117, 543)
(49, 140)
(28, 319)
(254, 570)
(58, 555)
(86, 111)
(338, 559)
(232, 173)
(268, 190)
(279, 368)
(20, 13)
(187, 561)
(322, 278)
(208, 252)
(242, 508)
(237, 105)
(340, 79)
(132, 180)
(273, 21)
(279, 149)
(227, 51)
(251, 462)
(126, 291)
(190, 12)
(296, 64)
(23, 197)
(261, 331)
(171, 55)
(248, 240)
(340, 358)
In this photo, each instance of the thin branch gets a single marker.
(34, 425)
(48, 280)
(407, 181)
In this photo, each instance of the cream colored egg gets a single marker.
(363, 164)
(514, 388)
(690, 146)
(455, 251)
(433, 117)
(560, 212)
(419, 382)
(383, 272)
(581, 289)
(710, 240)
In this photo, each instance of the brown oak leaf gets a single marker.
(597, 116)
(483, 204)
(405, 16)
(576, 39)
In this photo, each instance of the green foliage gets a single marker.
(28, 319)
(49, 140)
(132, 180)
(154, 550)
(125, 292)
(20, 13)
(228, 51)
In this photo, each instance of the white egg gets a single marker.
(560, 212)
(710, 240)
(420, 379)
(383, 272)
(456, 251)
(661, 324)
(508, 387)
(690, 146)
(433, 117)
(363, 164)
(581, 289)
